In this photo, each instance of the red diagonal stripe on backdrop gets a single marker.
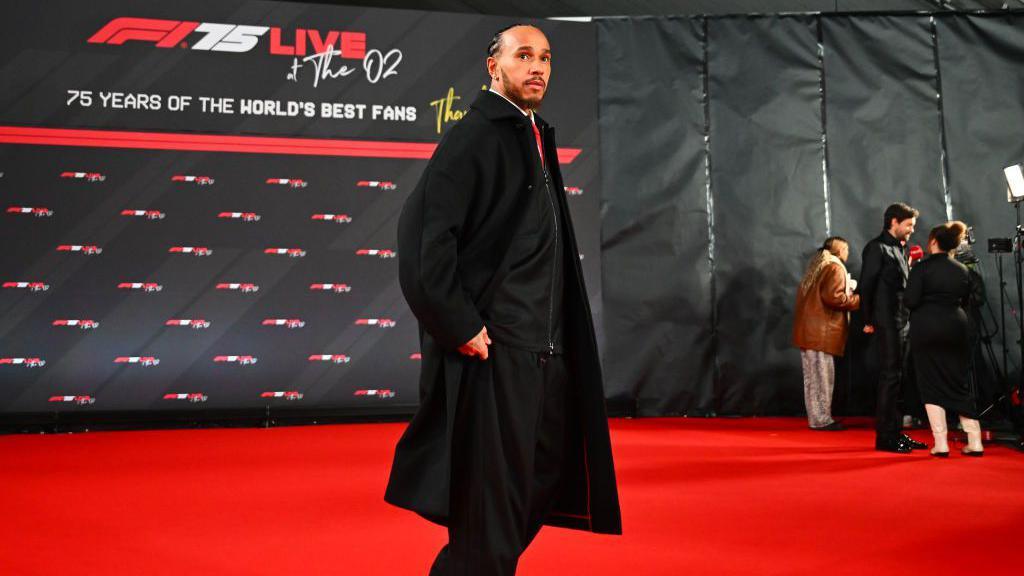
(222, 143)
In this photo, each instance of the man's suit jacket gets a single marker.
(882, 280)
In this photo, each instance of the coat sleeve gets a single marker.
(429, 238)
(975, 291)
(870, 274)
(914, 293)
(832, 289)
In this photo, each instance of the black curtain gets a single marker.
(731, 146)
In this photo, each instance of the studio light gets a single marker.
(1014, 182)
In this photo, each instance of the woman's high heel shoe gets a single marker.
(975, 453)
(941, 454)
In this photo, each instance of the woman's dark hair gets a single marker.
(948, 235)
(900, 212)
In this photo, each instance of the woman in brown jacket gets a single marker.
(820, 326)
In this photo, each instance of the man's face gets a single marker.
(522, 66)
(901, 230)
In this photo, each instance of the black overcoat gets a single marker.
(453, 235)
(883, 277)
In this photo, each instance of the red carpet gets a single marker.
(744, 496)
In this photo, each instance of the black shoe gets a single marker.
(896, 445)
(833, 427)
(975, 453)
(940, 454)
(914, 444)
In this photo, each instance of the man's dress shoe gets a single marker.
(897, 445)
(914, 444)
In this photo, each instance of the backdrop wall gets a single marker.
(198, 213)
(197, 217)
(732, 146)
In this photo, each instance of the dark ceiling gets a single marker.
(580, 8)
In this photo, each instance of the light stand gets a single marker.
(1015, 194)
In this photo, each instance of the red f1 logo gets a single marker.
(80, 400)
(335, 358)
(166, 33)
(82, 324)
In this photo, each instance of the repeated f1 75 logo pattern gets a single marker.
(80, 400)
(197, 180)
(193, 250)
(152, 288)
(37, 211)
(246, 287)
(86, 176)
(193, 397)
(243, 216)
(84, 249)
(333, 358)
(140, 286)
(193, 323)
(331, 287)
(338, 218)
(25, 362)
(30, 286)
(286, 395)
(289, 182)
(376, 184)
(146, 361)
(375, 393)
(286, 322)
(241, 360)
(377, 252)
(81, 324)
(147, 214)
(289, 252)
(378, 322)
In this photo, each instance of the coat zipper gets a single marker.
(554, 269)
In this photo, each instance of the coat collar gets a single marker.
(494, 107)
(831, 258)
(889, 239)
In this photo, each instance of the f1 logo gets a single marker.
(166, 33)
(170, 33)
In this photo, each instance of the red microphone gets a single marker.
(916, 253)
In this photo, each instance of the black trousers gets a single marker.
(892, 360)
(507, 463)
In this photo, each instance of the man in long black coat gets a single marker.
(882, 281)
(511, 432)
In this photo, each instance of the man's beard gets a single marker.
(515, 94)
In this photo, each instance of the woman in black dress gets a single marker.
(937, 295)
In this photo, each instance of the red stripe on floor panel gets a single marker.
(226, 143)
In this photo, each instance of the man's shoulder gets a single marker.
(873, 244)
(468, 135)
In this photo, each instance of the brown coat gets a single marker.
(821, 319)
